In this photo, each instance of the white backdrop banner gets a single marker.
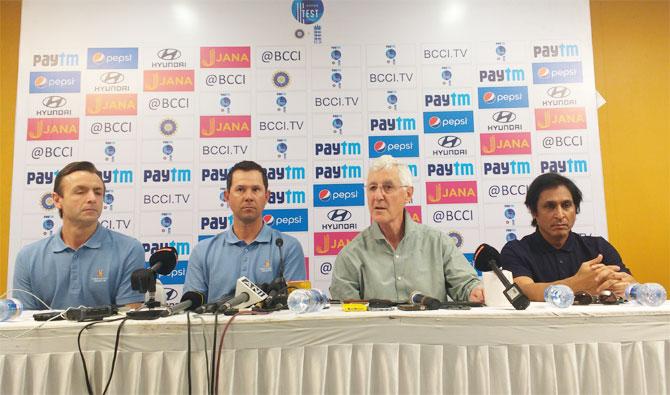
(478, 97)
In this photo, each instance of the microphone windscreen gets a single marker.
(197, 299)
(168, 259)
(483, 255)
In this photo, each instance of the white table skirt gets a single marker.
(586, 349)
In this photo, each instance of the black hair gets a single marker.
(550, 181)
(71, 168)
(246, 165)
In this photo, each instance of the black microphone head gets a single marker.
(485, 254)
(279, 242)
(197, 299)
(166, 258)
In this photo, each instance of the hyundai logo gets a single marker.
(449, 141)
(339, 215)
(54, 101)
(504, 116)
(112, 77)
(558, 92)
(169, 54)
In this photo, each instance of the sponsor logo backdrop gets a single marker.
(477, 99)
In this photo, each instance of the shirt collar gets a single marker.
(410, 226)
(95, 241)
(545, 246)
(264, 236)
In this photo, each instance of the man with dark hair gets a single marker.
(249, 248)
(556, 255)
(83, 263)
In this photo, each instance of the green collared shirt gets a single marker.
(426, 260)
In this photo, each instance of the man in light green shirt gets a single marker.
(396, 256)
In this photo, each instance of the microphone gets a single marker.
(191, 300)
(418, 298)
(246, 294)
(280, 243)
(163, 261)
(487, 258)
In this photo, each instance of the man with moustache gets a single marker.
(395, 255)
(248, 248)
(556, 255)
(83, 263)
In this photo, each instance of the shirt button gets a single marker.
(397, 257)
(399, 278)
(246, 250)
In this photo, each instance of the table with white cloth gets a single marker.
(623, 349)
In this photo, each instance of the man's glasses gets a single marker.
(386, 189)
(605, 297)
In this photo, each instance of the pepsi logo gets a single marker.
(379, 146)
(489, 97)
(40, 81)
(543, 72)
(434, 121)
(325, 195)
(268, 219)
(98, 57)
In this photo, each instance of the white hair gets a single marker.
(387, 162)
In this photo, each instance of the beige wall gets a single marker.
(631, 41)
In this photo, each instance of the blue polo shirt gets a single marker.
(215, 264)
(534, 257)
(96, 274)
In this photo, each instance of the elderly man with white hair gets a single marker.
(395, 255)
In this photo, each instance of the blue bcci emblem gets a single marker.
(510, 236)
(391, 55)
(446, 76)
(225, 103)
(168, 127)
(166, 223)
(282, 147)
(47, 201)
(392, 100)
(48, 225)
(222, 198)
(281, 79)
(108, 199)
(281, 102)
(336, 77)
(307, 12)
(510, 213)
(501, 51)
(337, 124)
(457, 237)
(168, 149)
(110, 150)
(336, 55)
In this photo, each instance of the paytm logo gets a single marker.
(287, 220)
(555, 51)
(338, 172)
(330, 195)
(564, 166)
(216, 222)
(112, 58)
(396, 146)
(167, 175)
(55, 82)
(176, 276)
(285, 173)
(287, 197)
(447, 99)
(183, 248)
(392, 124)
(337, 149)
(214, 174)
(502, 75)
(503, 97)
(557, 72)
(41, 177)
(514, 167)
(448, 122)
(117, 176)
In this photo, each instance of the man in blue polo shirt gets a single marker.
(556, 255)
(83, 264)
(248, 248)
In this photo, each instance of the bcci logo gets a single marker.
(168, 127)
(108, 200)
(336, 78)
(47, 201)
(166, 224)
(168, 149)
(337, 123)
(336, 56)
(391, 54)
(501, 50)
(446, 76)
(456, 237)
(281, 102)
(48, 225)
(281, 79)
(282, 148)
(392, 100)
(510, 214)
(225, 103)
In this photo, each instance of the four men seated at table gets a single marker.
(84, 263)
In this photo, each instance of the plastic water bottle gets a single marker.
(10, 309)
(559, 295)
(307, 301)
(649, 294)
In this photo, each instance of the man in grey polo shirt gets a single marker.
(395, 255)
(83, 263)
